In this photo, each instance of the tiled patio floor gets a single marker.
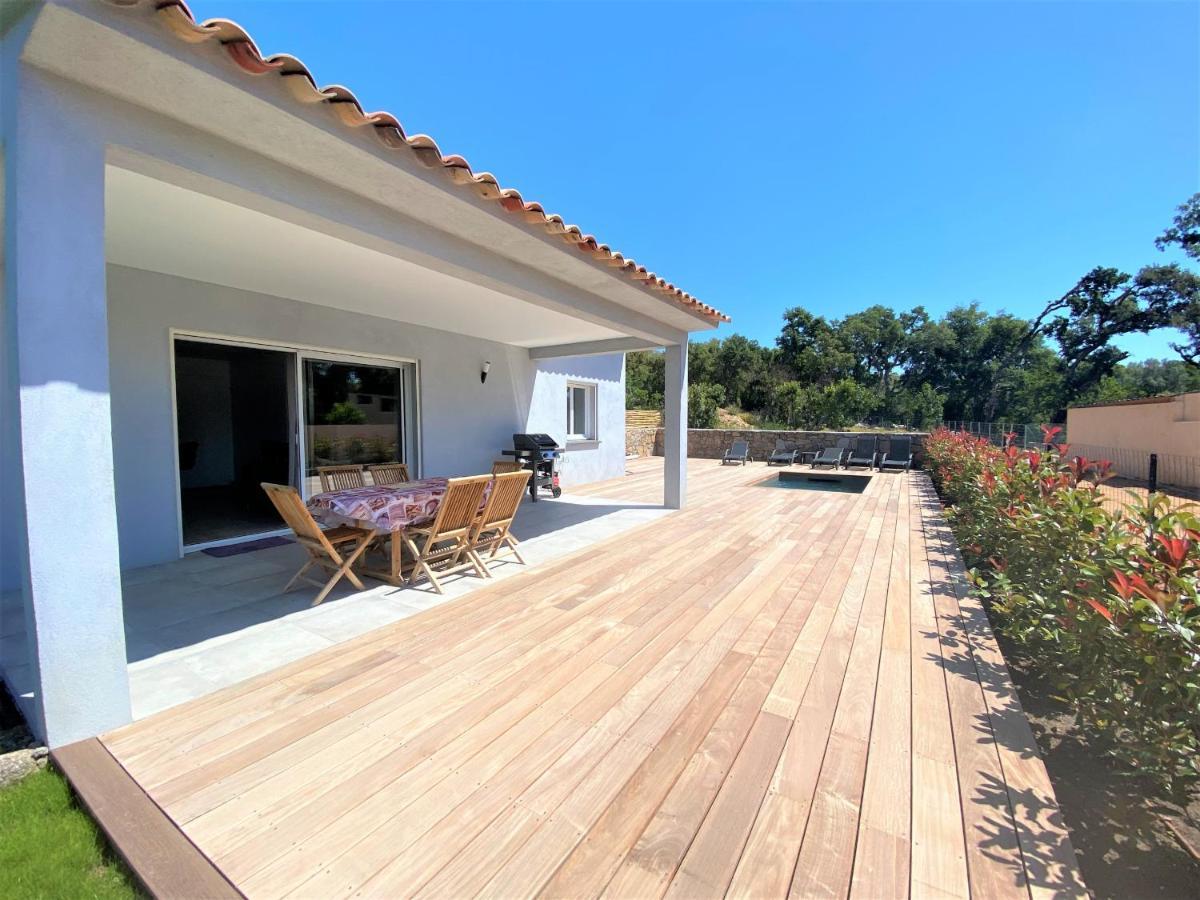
(772, 691)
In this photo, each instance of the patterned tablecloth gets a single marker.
(386, 508)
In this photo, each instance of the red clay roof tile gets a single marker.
(242, 51)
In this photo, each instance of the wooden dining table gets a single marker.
(387, 510)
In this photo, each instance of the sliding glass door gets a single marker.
(354, 414)
(235, 415)
(250, 412)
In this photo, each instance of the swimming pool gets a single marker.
(836, 482)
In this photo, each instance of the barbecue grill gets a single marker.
(539, 453)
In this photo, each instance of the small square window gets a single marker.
(581, 412)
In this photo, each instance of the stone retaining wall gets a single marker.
(711, 443)
(642, 441)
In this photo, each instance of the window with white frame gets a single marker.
(581, 412)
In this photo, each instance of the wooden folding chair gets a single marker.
(322, 546)
(389, 473)
(340, 478)
(503, 466)
(448, 539)
(491, 533)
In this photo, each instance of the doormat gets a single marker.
(246, 547)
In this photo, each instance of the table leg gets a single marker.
(397, 557)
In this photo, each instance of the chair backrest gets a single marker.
(739, 448)
(502, 502)
(340, 478)
(501, 466)
(831, 453)
(389, 473)
(295, 514)
(782, 446)
(460, 505)
(899, 448)
(865, 445)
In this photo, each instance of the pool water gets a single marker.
(818, 481)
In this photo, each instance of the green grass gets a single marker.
(49, 848)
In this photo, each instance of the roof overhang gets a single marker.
(129, 55)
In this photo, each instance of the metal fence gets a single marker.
(1138, 471)
(1028, 434)
(1142, 471)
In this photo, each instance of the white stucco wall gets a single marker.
(463, 424)
(590, 460)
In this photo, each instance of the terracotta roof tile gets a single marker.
(241, 50)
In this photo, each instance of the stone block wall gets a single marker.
(642, 441)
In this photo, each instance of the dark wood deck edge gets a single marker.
(159, 855)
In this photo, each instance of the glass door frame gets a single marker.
(411, 411)
(410, 405)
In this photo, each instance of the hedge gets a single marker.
(1105, 603)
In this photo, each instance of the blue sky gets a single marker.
(827, 155)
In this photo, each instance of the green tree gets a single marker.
(845, 403)
(345, 413)
(1185, 233)
(1107, 303)
(792, 405)
(703, 402)
(811, 349)
(645, 374)
(738, 362)
(921, 408)
(878, 340)
(702, 361)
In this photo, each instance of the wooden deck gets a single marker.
(772, 692)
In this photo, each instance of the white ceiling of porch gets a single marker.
(162, 227)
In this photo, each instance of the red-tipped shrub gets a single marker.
(1106, 603)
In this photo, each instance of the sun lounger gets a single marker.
(739, 452)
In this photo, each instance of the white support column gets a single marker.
(57, 330)
(675, 416)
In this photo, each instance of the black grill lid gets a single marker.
(533, 442)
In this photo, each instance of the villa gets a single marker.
(219, 273)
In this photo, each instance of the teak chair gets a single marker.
(322, 546)
(447, 541)
(340, 478)
(491, 533)
(389, 473)
(503, 466)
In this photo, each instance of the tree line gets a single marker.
(915, 369)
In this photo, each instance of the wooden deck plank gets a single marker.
(159, 855)
(767, 865)
(826, 859)
(1047, 856)
(881, 854)
(938, 857)
(771, 690)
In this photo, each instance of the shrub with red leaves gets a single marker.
(1107, 604)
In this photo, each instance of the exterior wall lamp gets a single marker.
(487, 367)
